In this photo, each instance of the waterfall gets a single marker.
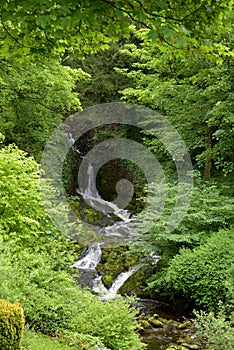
(88, 263)
(92, 254)
(91, 259)
(120, 280)
(91, 195)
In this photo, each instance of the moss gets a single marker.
(107, 280)
(119, 259)
(184, 325)
(113, 262)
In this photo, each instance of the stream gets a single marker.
(90, 277)
(91, 255)
(160, 332)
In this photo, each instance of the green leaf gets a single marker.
(181, 42)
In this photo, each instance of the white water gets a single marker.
(91, 195)
(92, 254)
(120, 280)
(91, 259)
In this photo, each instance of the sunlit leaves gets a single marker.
(49, 27)
(34, 99)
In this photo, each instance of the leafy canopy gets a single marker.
(46, 27)
(34, 98)
(194, 91)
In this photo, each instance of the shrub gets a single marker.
(11, 325)
(54, 305)
(217, 329)
(203, 275)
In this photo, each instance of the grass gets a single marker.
(37, 341)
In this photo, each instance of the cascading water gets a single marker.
(119, 281)
(87, 267)
(91, 195)
(91, 257)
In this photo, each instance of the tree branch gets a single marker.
(8, 32)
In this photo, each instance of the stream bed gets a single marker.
(164, 328)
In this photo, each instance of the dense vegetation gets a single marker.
(174, 57)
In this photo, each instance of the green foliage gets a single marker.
(208, 212)
(194, 91)
(23, 218)
(2, 138)
(203, 275)
(35, 97)
(217, 329)
(45, 28)
(11, 325)
(54, 305)
(19, 181)
(37, 341)
(104, 83)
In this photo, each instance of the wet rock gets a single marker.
(190, 346)
(145, 324)
(184, 325)
(186, 330)
(184, 339)
(169, 322)
(156, 323)
(176, 347)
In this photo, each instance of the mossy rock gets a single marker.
(112, 263)
(176, 347)
(156, 323)
(107, 280)
(186, 330)
(136, 284)
(155, 316)
(184, 325)
(115, 261)
(145, 324)
(184, 339)
(169, 322)
(190, 346)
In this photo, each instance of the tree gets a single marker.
(209, 211)
(35, 97)
(105, 83)
(23, 218)
(194, 92)
(48, 27)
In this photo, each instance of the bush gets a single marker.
(54, 305)
(11, 325)
(217, 329)
(203, 275)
